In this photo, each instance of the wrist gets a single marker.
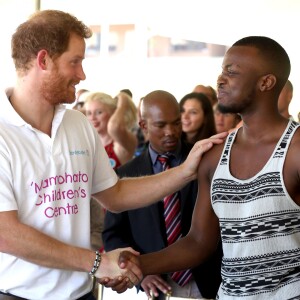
(96, 264)
(186, 174)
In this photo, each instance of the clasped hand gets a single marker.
(119, 269)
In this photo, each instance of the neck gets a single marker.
(260, 129)
(105, 139)
(33, 110)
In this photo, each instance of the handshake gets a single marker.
(119, 269)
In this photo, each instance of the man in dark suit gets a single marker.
(144, 229)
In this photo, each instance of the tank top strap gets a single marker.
(285, 140)
(226, 151)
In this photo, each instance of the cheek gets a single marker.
(103, 117)
(199, 119)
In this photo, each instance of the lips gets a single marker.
(171, 141)
(221, 94)
(186, 124)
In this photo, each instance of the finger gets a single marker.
(134, 278)
(121, 287)
(154, 290)
(130, 284)
(215, 139)
(113, 282)
(103, 280)
(162, 287)
(220, 135)
(147, 292)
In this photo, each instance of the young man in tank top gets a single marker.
(249, 188)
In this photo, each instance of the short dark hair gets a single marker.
(273, 53)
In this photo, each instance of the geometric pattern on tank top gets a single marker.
(267, 217)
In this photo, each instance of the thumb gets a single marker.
(124, 257)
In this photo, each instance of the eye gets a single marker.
(76, 61)
(159, 125)
(228, 72)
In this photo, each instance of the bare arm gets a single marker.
(133, 193)
(31, 245)
(201, 241)
(125, 141)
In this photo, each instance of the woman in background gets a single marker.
(113, 118)
(197, 117)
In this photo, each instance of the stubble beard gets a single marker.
(55, 90)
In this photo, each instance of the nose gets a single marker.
(169, 130)
(220, 80)
(184, 115)
(81, 74)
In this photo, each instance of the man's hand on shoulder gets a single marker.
(190, 166)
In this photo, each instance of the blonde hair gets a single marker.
(131, 113)
(102, 98)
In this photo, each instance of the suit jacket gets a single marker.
(144, 230)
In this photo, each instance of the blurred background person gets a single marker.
(197, 117)
(140, 133)
(114, 119)
(209, 91)
(148, 229)
(137, 130)
(80, 99)
(285, 99)
(225, 121)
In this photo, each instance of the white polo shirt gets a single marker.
(49, 181)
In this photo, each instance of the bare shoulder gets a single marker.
(210, 160)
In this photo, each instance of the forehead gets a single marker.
(242, 57)
(192, 102)
(95, 104)
(76, 45)
(160, 113)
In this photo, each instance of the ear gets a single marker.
(267, 82)
(143, 125)
(42, 59)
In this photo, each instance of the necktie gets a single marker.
(172, 215)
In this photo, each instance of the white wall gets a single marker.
(214, 21)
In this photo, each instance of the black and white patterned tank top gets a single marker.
(260, 229)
